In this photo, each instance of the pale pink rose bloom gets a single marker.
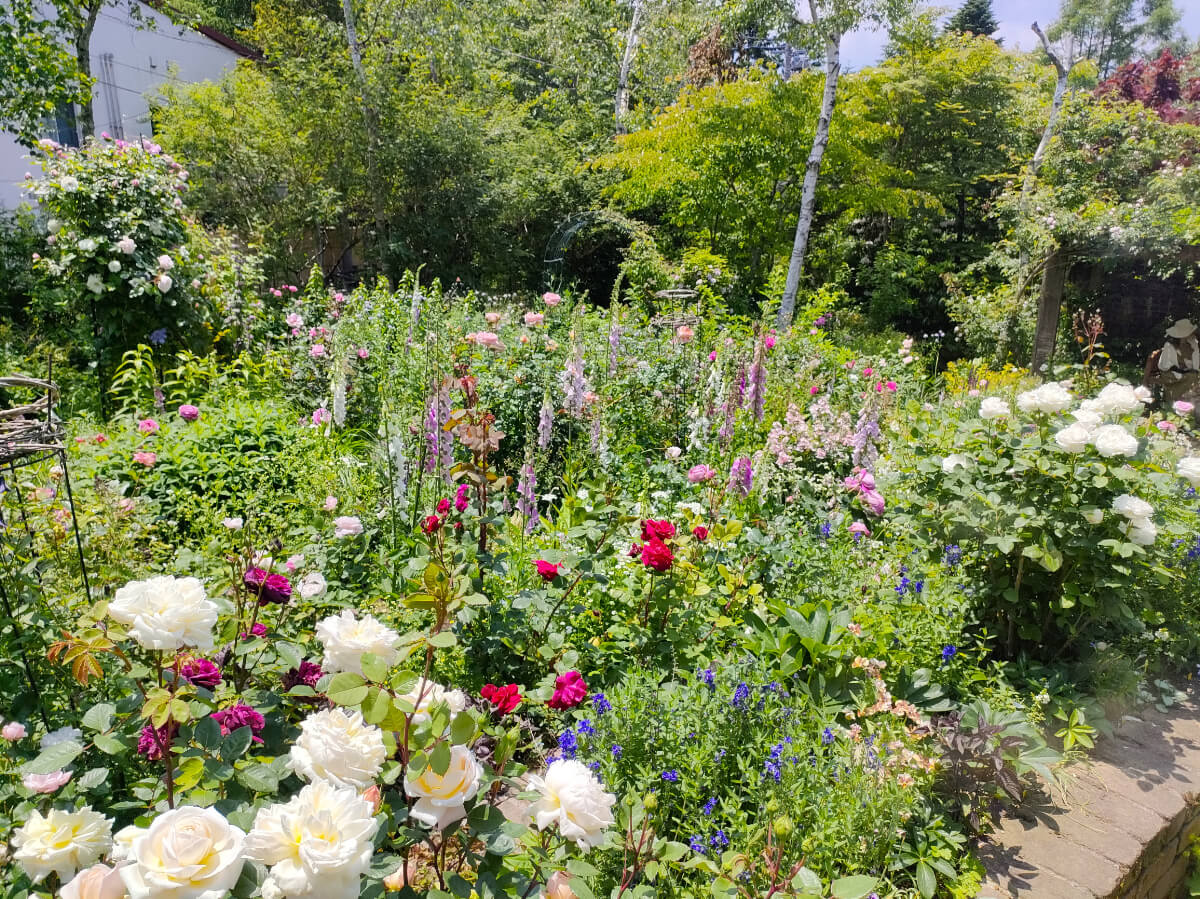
(551, 299)
(492, 318)
(698, 474)
(489, 340)
(524, 338)
(1166, 426)
(148, 426)
(330, 503)
(317, 350)
(1183, 407)
(363, 352)
(674, 452)
(684, 334)
(46, 783)
(294, 320)
(534, 318)
(97, 882)
(147, 459)
(858, 529)
(188, 412)
(13, 731)
(347, 526)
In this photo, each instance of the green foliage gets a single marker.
(40, 75)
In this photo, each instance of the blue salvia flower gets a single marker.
(710, 805)
(585, 728)
(601, 704)
(952, 555)
(697, 844)
(616, 750)
(949, 651)
(826, 529)
(719, 839)
(708, 677)
(671, 776)
(568, 744)
(827, 736)
(918, 586)
(740, 695)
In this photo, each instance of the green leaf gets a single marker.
(110, 745)
(439, 759)
(92, 778)
(236, 744)
(53, 759)
(443, 639)
(346, 688)
(99, 717)
(208, 733)
(926, 880)
(374, 668)
(854, 887)
(258, 777)
(462, 728)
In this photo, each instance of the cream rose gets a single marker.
(441, 798)
(993, 407)
(1142, 531)
(426, 694)
(573, 798)
(338, 746)
(1073, 438)
(61, 842)
(1117, 399)
(166, 612)
(186, 853)
(1088, 418)
(96, 882)
(1094, 516)
(1114, 440)
(317, 844)
(1189, 469)
(1132, 507)
(346, 639)
(955, 460)
(1048, 399)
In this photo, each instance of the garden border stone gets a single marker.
(1121, 826)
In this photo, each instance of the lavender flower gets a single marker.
(545, 423)
(741, 476)
(527, 497)
(574, 384)
(866, 432)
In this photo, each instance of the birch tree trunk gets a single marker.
(621, 103)
(812, 170)
(1050, 298)
(83, 27)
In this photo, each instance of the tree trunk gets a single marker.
(84, 26)
(812, 170)
(1054, 280)
(621, 103)
(1047, 325)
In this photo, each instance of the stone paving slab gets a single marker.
(1120, 825)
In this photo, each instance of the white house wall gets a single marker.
(127, 64)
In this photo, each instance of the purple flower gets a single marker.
(152, 742)
(545, 423)
(158, 337)
(188, 412)
(201, 673)
(308, 673)
(239, 716)
(671, 776)
(710, 806)
(616, 751)
(568, 744)
(268, 587)
(741, 476)
(948, 652)
(258, 629)
(527, 497)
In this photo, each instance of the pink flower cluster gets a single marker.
(822, 433)
(862, 482)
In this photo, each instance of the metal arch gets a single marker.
(556, 246)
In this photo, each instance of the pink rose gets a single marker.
(330, 503)
(698, 474)
(684, 334)
(814, 390)
(46, 783)
(1183, 407)
(547, 570)
(712, 357)
(534, 318)
(294, 320)
(657, 556)
(551, 299)
(874, 501)
(363, 352)
(317, 350)
(489, 340)
(188, 412)
(13, 731)
(769, 341)
(1166, 426)
(891, 385)
(569, 691)
(492, 318)
(858, 529)
(148, 426)
(147, 459)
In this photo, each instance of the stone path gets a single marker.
(1122, 828)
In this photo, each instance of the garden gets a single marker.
(424, 585)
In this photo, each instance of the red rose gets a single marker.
(700, 532)
(569, 691)
(443, 506)
(431, 524)
(657, 530)
(635, 550)
(503, 699)
(548, 570)
(458, 525)
(657, 555)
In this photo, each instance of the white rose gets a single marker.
(1089, 418)
(955, 460)
(1143, 393)
(674, 452)
(426, 694)
(1049, 398)
(87, 245)
(993, 407)
(234, 524)
(1094, 516)
(1114, 440)
(1132, 507)
(186, 853)
(573, 798)
(271, 889)
(1189, 469)
(166, 612)
(95, 284)
(122, 848)
(127, 245)
(163, 283)
(338, 746)
(1142, 531)
(347, 638)
(1073, 438)
(114, 266)
(54, 226)
(441, 798)
(312, 585)
(317, 844)
(165, 262)
(1118, 399)
(69, 183)
(66, 734)
(96, 882)
(61, 842)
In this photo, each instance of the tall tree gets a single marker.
(974, 17)
(37, 72)
(828, 22)
(1111, 32)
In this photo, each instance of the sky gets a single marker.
(863, 48)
